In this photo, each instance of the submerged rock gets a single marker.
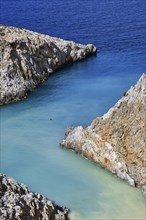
(28, 58)
(117, 141)
(19, 203)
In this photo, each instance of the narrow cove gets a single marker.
(73, 96)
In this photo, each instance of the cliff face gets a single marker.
(117, 141)
(28, 58)
(18, 202)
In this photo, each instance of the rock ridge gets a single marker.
(28, 58)
(19, 203)
(117, 140)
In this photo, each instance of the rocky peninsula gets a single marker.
(19, 203)
(28, 58)
(117, 140)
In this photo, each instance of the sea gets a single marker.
(32, 129)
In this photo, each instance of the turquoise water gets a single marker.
(30, 150)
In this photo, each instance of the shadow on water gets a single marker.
(56, 81)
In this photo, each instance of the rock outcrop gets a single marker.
(28, 58)
(117, 141)
(19, 203)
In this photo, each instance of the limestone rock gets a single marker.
(19, 203)
(28, 58)
(117, 141)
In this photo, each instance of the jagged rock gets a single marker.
(19, 203)
(117, 141)
(28, 58)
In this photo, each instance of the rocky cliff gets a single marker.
(19, 203)
(28, 58)
(117, 141)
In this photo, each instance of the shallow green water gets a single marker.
(30, 150)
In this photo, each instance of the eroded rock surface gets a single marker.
(19, 203)
(28, 58)
(117, 141)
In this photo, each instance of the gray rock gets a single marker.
(19, 203)
(28, 58)
(117, 140)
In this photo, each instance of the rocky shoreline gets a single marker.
(28, 58)
(19, 203)
(117, 141)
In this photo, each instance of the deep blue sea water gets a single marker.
(75, 95)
